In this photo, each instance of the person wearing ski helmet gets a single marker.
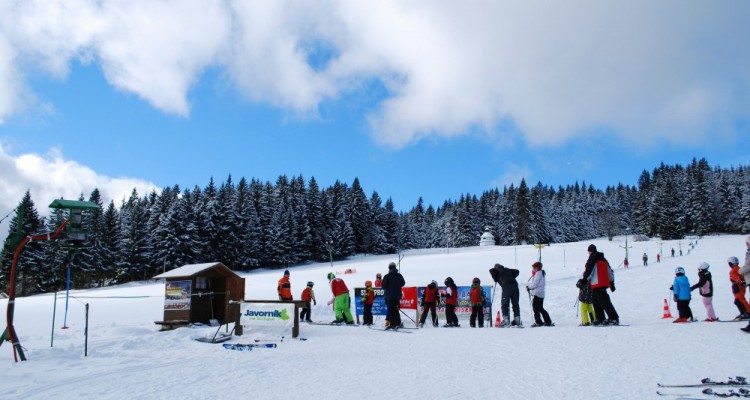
(284, 287)
(506, 278)
(705, 287)
(536, 289)
(600, 276)
(451, 299)
(476, 296)
(745, 270)
(393, 281)
(368, 297)
(309, 296)
(430, 299)
(681, 289)
(340, 300)
(738, 289)
(378, 280)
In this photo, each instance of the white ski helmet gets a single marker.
(703, 266)
(733, 260)
(679, 270)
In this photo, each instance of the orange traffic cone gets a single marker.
(666, 314)
(498, 320)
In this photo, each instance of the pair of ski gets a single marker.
(249, 346)
(399, 330)
(708, 386)
(331, 323)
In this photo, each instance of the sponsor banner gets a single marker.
(266, 314)
(463, 304)
(408, 300)
(177, 295)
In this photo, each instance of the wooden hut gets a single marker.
(200, 293)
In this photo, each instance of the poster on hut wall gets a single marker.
(177, 295)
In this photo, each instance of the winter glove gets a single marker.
(315, 303)
(330, 302)
(671, 288)
(579, 283)
(612, 286)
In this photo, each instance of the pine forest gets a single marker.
(252, 224)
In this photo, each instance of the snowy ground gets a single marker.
(128, 358)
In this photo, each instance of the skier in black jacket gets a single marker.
(393, 281)
(506, 277)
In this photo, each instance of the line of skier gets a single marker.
(682, 289)
(595, 304)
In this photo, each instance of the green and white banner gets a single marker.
(266, 314)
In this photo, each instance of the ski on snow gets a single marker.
(389, 330)
(742, 392)
(248, 346)
(736, 381)
(330, 323)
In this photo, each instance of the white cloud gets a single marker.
(646, 71)
(50, 176)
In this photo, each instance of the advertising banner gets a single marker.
(266, 314)
(463, 305)
(177, 295)
(408, 300)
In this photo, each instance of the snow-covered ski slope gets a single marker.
(129, 358)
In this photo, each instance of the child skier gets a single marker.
(476, 296)
(705, 287)
(738, 289)
(307, 295)
(451, 299)
(367, 299)
(681, 289)
(536, 289)
(586, 298)
(429, 302)
(340, 301)
(284, 288)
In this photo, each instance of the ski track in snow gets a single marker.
(129, 358)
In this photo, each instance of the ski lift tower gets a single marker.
(73, 230)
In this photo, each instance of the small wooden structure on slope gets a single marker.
(200, 293)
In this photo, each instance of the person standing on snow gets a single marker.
(378, 280)
(393, 281)
(599, 275)
(429, 303)
(367, 299)
(536, 289)
(451, 299)
(745, 271)
(738, 289)
(285, 287)
(645, 260)
(681, 289)
(506, 277)
(476, 296)
(340, 300)
(586, 298)
(705, 287)
(309, 296)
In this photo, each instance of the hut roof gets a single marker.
(192, 269)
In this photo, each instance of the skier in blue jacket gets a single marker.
(681, 290)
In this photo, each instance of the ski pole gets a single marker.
(407, 316)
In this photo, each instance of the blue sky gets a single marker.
(426, 99)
